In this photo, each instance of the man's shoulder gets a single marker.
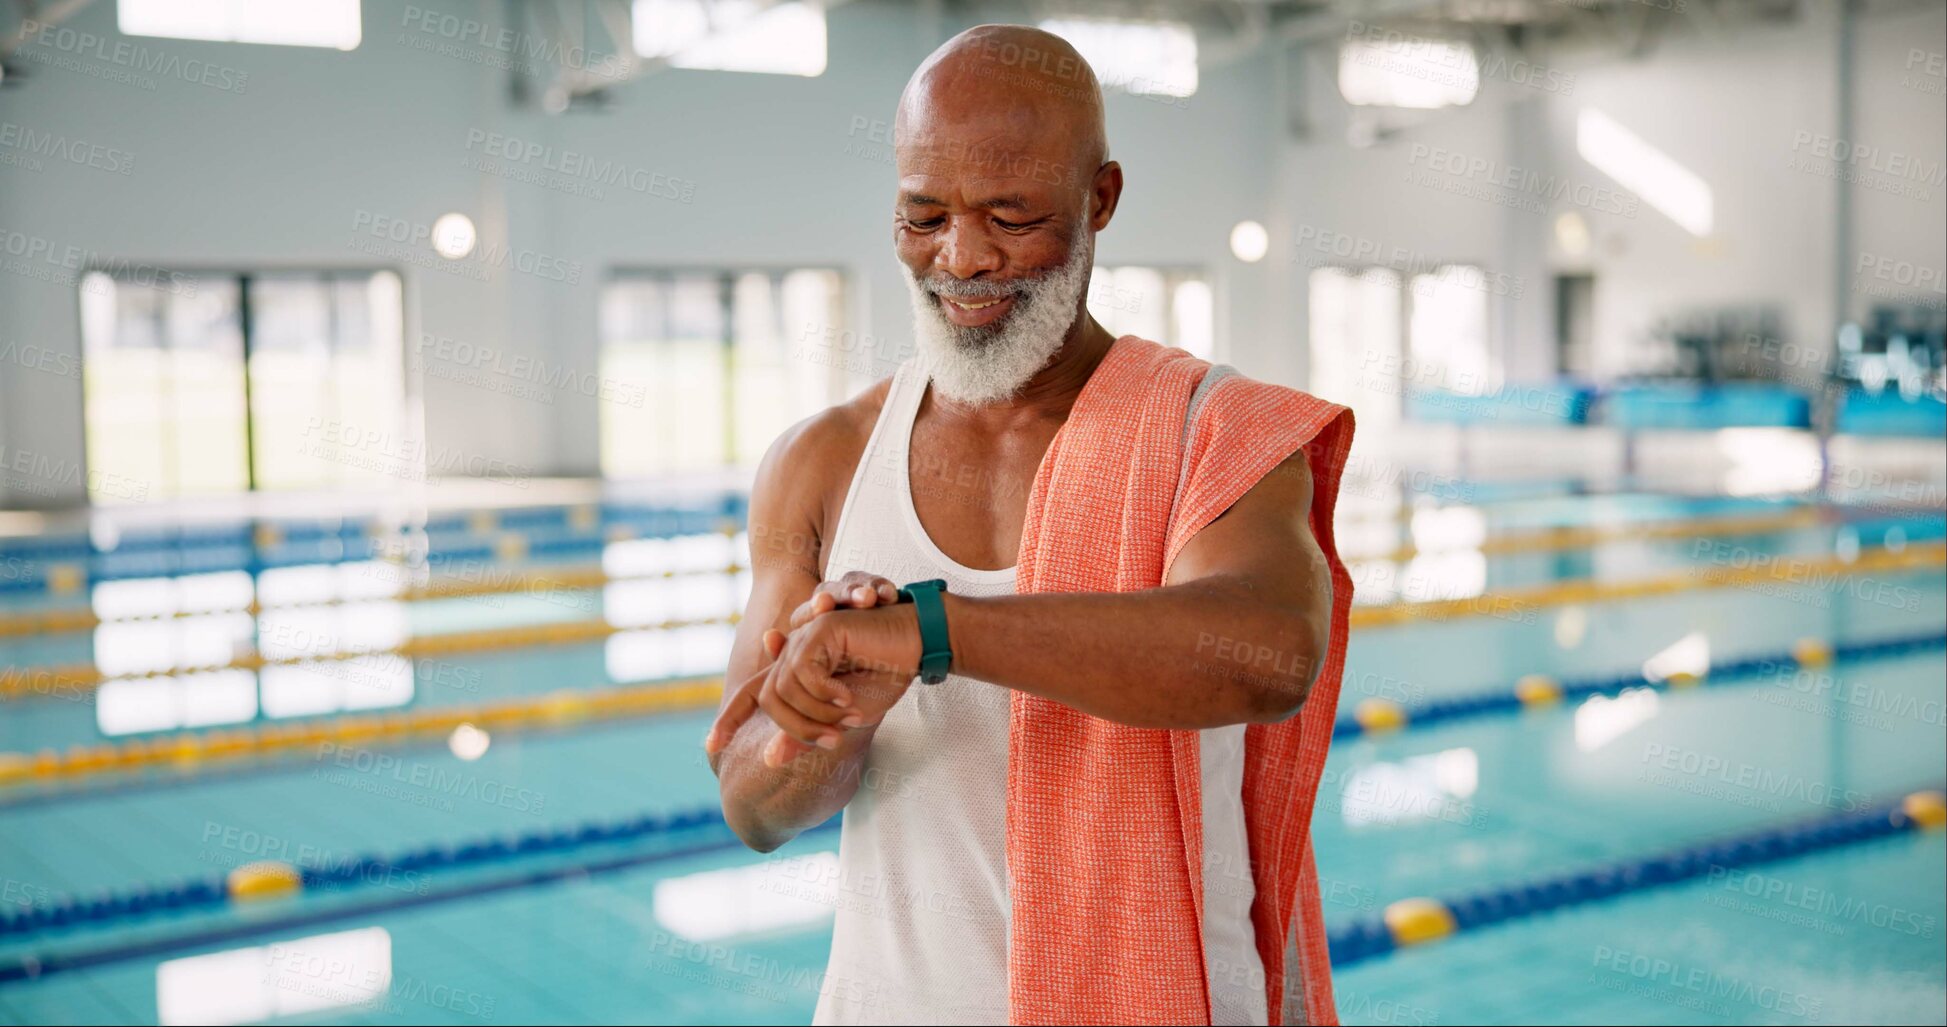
(837, 431)
(818, 455)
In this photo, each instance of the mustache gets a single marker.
(947, 285)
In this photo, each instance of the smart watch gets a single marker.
(936, 653)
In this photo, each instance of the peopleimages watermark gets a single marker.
(568, 170)
(240, 845)
(1864, 164)
(1704, 983)
(1890, 278)
(871, 139)
(387, 453)
(511, 49)
(1489, 180)
(27, 471)
(33, 144)
(1441, 62)
(62, 363)
(1932, 76)
(37, 257)
(119, 60)
(425, 784)
(519, 374)
(406, 240)
(1741, 780)
(1803, 905)
(1317, 247)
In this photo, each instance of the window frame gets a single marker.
(240, 276)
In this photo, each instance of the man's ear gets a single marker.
(1104, 193)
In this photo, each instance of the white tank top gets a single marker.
(921, 932)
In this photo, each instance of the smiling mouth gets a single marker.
(973, 305)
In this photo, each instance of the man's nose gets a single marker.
(966, 250)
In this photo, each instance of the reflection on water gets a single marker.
(770, 895)
(284, 978)
(1602, 720)
(1428, 787)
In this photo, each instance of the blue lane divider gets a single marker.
(1373, 936)
(259, 544)
(38, 966)
(143, 900)
(1439, 710)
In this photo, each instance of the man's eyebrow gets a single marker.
(1013, 201)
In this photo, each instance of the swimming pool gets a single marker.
(559, 862)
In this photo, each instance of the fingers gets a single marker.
(856, 590)
(782, 749)
(742, 704)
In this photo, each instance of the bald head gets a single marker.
(1007, 95)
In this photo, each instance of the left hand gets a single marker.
(840, 669)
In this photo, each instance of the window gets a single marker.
(1391, 69)
(1144, 58)
(216, 383)
(726, 361)
(1377, 333)
(1355, 337)
(1170, 306)
(325, 23)
(733, 35)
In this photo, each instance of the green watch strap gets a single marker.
(936, 652)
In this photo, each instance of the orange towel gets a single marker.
(1104, 822)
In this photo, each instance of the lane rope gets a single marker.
(67, 680)
(581, 578)
(1421, 920)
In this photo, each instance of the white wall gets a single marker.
(277, 174)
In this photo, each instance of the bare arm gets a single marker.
(1236, 635)
(767, 801)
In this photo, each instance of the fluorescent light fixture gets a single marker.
(282, 979)
(1423, 74)
(1141, 57)
(1672, 189)
(733, 35)
(332, 24)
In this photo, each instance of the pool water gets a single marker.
(658, 915)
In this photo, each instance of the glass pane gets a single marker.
(162, 388)
(295, 437)
(122, 396)
(634, 312)
(206, 390)
(1355, 356)
(1448, 332)
(1194, 316)
(368, 371)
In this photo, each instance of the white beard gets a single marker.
(987, 364)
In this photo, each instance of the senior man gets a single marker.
(1054, 618)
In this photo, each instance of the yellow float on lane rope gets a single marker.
(1418, 921)
(1376, 715)
(1811, 652)
(268, 879)
(1928, 809)
(1538, 690)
